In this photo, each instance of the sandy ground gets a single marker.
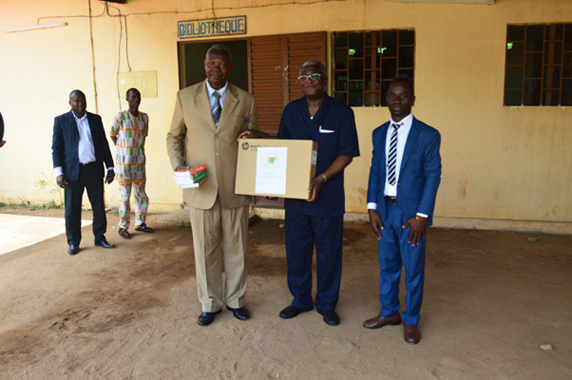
(491, 300)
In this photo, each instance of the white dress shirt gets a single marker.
(222, 93)
(85, 149)
(402, 134)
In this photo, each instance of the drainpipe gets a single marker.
(92, 56)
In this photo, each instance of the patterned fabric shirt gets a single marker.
(130, 132)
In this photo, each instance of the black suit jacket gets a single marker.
(65, 144)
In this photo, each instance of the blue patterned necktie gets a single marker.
(216, 109)
(392, 157)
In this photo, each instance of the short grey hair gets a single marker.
(314, 63)
(219, 47)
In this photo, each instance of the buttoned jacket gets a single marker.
(65, 144)
(193, 139)
(420, 171)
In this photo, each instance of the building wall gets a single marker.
(499, 163)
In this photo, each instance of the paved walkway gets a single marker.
(18, 231)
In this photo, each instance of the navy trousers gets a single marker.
(90, 179)
(302, 233)
(395, 251)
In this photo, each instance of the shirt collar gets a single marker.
(77, 119)
(406, 122)
(222, 91)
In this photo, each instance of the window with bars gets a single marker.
(365, 63)
(538, 65)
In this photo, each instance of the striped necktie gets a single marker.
(392, 157)
(216, 108)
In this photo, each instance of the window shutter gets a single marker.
(266, 64)
(275, 64)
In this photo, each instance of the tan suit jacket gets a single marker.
(194, 139)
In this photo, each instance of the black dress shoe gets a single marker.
(292, 311)
(103, 243)
(330, 317)
(240, 313)
(206, 319)
(74, 249)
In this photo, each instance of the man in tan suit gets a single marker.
(207, 120)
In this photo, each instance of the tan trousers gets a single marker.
(214, 230)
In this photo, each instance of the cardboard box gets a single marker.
(276, 168)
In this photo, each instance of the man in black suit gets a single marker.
(2, 142)
(79, 149)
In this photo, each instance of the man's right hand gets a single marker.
(375, 222)
(61, 181)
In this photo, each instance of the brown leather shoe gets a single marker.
(380, 321)
(412, 335)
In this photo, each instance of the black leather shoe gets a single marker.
(330, 317)
(74, 249)
(240, 313)
(206, 319)
(103, 243)
(292, 311)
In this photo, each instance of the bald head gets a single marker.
(78, 103)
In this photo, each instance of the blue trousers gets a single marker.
(395, 252)
(302, 233)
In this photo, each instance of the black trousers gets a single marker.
(90, 178)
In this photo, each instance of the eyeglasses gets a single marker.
(314, 77)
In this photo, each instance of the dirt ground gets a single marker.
(491, 300)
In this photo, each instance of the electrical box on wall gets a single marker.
(116, 1)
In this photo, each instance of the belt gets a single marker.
(391, 199)
(89, 163)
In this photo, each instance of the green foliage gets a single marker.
(27, 204)
(12, 205)
(183, 224)
(45, 206)
(54, 188)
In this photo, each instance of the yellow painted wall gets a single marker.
(499, 162)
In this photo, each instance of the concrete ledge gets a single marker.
(558, 228)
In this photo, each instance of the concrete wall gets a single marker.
(509, 165)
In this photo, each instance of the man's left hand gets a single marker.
(314, 188)
(417, 232)
(110, 176)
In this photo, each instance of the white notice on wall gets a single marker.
(271, 170)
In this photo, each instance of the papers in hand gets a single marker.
(193, 177)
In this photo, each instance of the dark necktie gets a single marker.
(392, 157)
(216, 110)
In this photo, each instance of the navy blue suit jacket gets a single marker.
(420, 171)
(65, 144)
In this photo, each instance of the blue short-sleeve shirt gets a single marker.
(333, 128)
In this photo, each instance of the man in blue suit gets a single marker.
(404, 176)
(79, 149)
(318, 221)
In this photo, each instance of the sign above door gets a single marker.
(227, 26)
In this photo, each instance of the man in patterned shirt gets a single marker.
(128, 132)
